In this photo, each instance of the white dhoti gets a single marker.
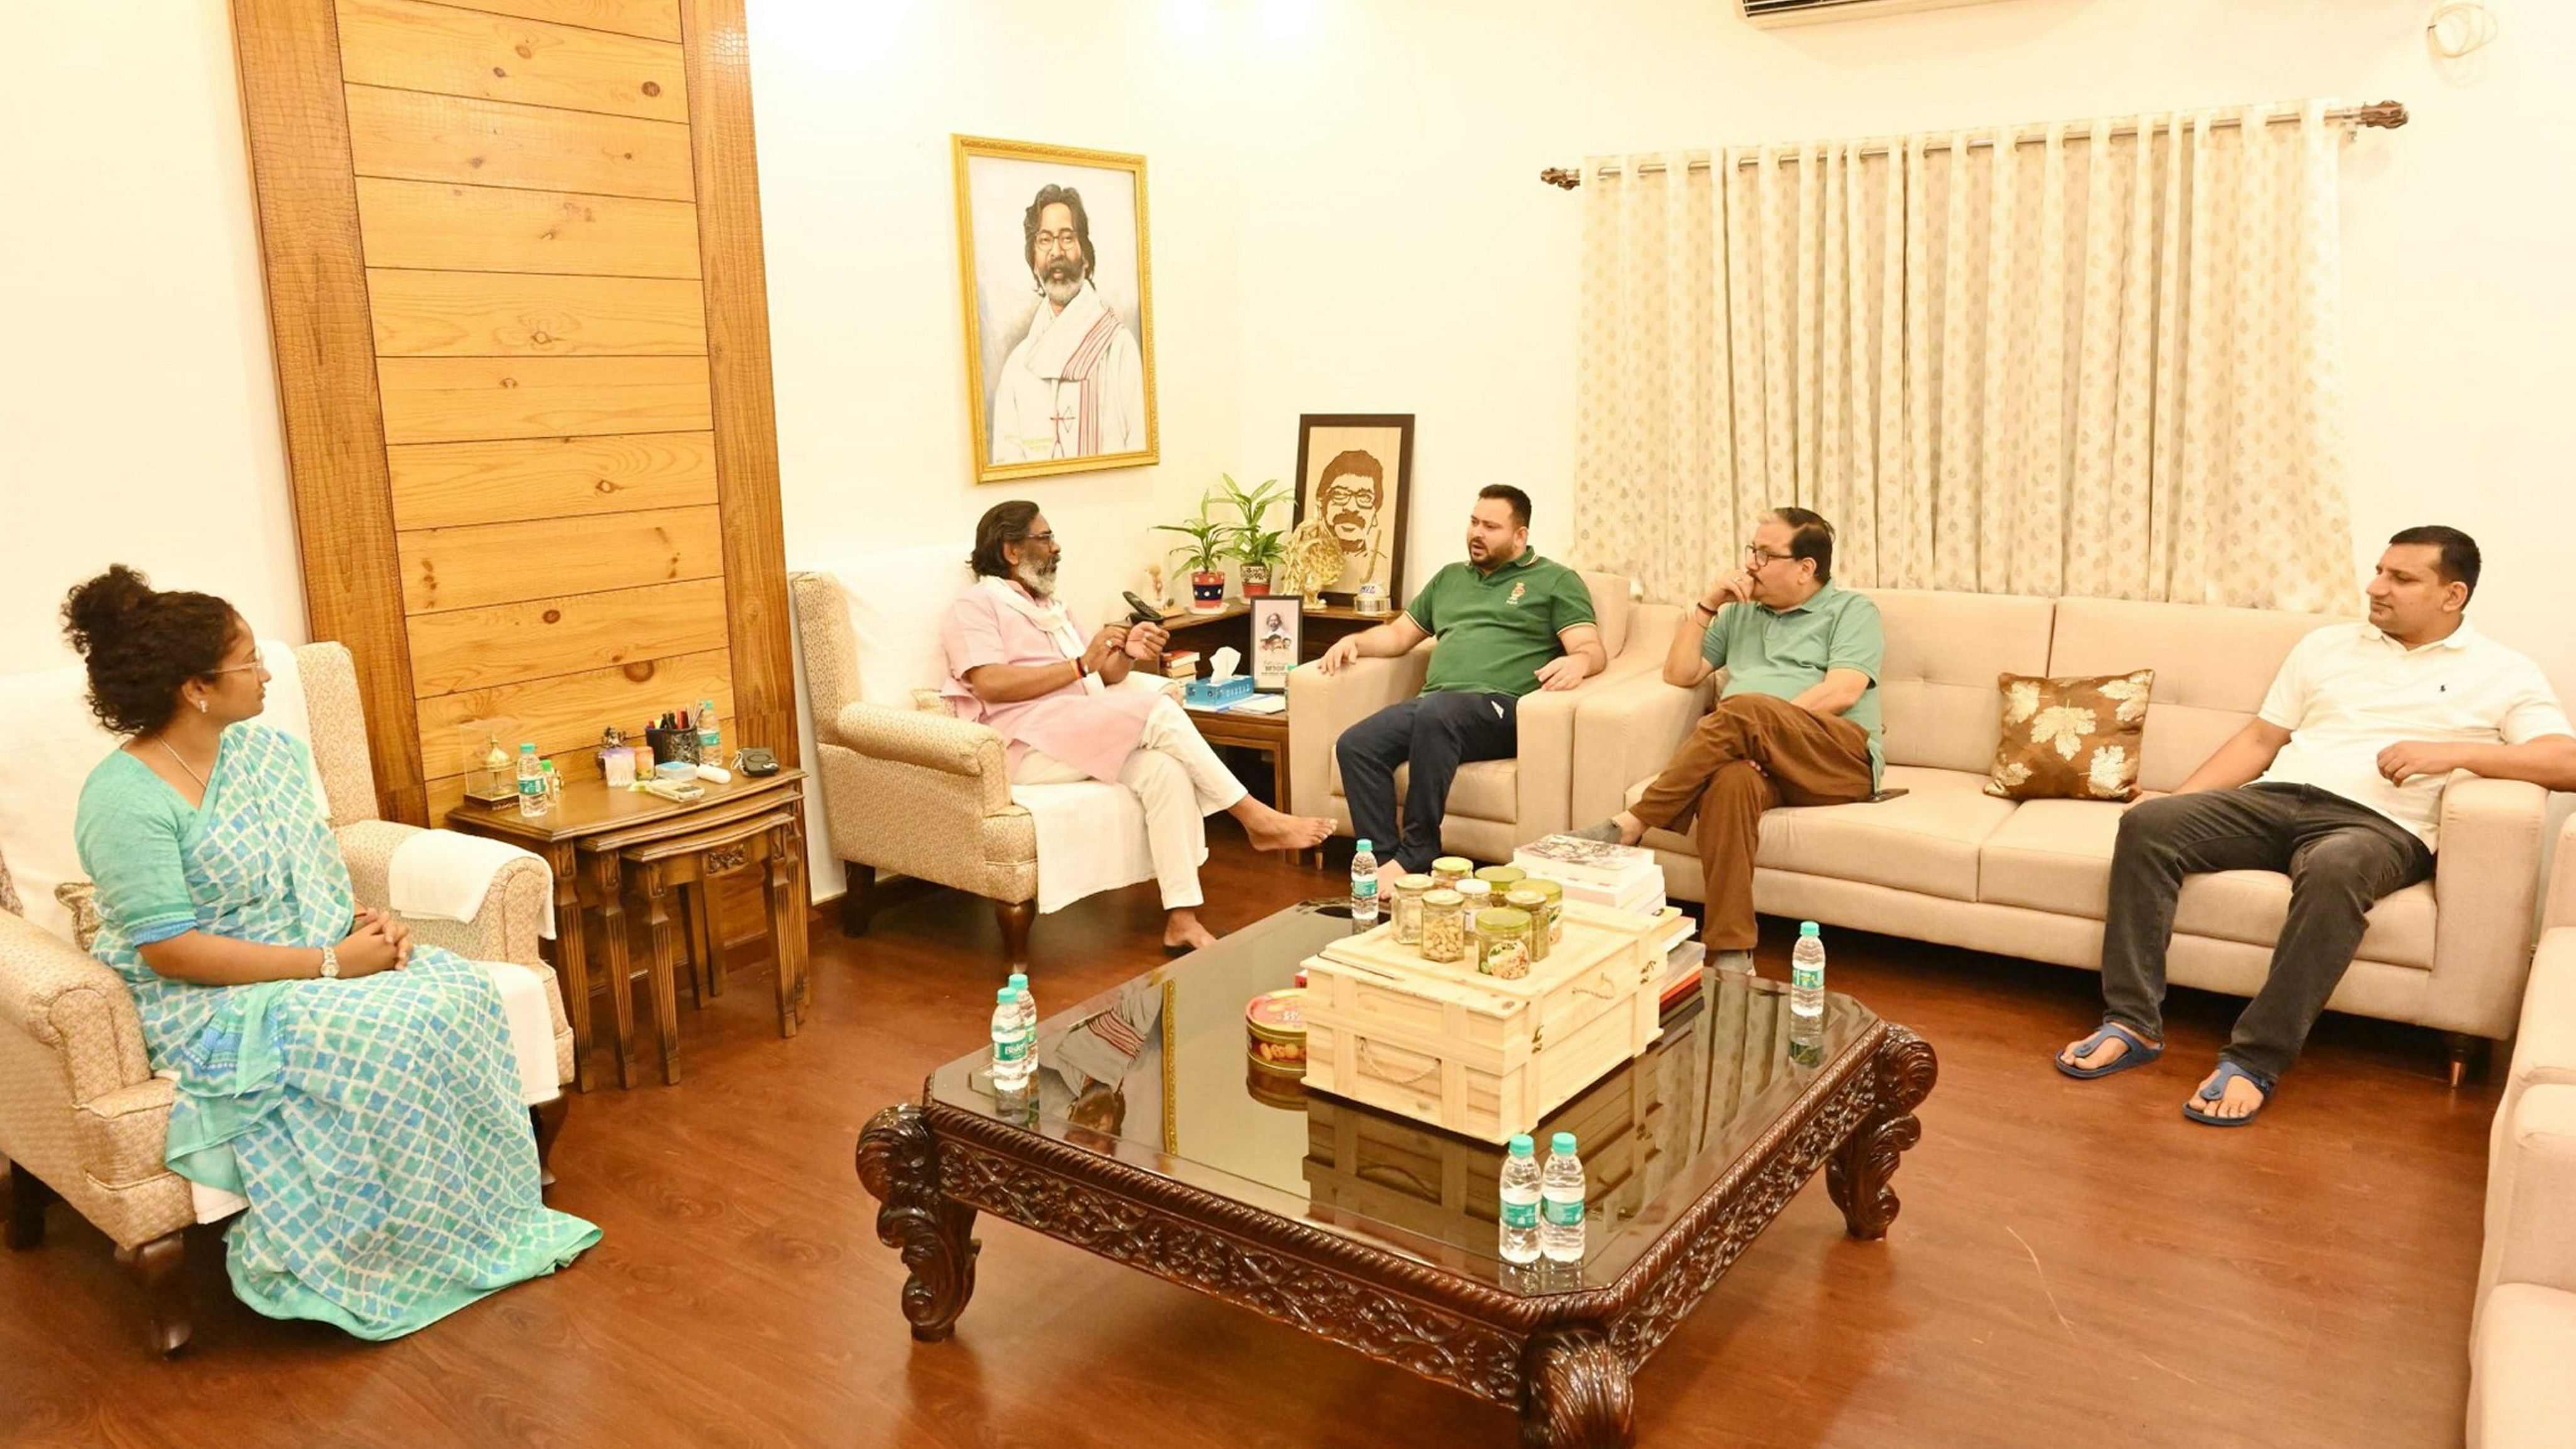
(1178, 780)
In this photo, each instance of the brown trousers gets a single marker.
(1747, 755)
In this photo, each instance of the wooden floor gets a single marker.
(2074, 1261)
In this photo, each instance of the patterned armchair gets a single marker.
(82, 1117)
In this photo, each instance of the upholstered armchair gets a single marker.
(83, 1119)
(1494, 805)
(911, 790)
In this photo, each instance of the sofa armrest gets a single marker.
(1547, 745)
(2486, 883)
(508, 926)
(2560, 907)
(1627, 732)
(930, 741)
(1321, 706)
(65, 1004)
(2532, 1232)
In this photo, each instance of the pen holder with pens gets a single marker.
(672, 744)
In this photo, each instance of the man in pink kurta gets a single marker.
(1018, 663)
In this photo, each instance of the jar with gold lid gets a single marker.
(1503, 878)
(1535, 906)
(1409, 891)
(1444, 926)
(1448, 870)
(1503, 942)
(1553, 895)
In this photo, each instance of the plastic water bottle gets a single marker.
(1363, 888)
(710, 737)
(1010, 1045)
(1560, 1209)
(1520, 1202)
(1028, 1015)
(532, 784)
(1807, 981)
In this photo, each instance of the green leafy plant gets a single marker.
(1248, 540)
(1209, 539)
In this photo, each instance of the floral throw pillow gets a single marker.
(2071, 739)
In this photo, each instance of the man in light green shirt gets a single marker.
(1796, 724)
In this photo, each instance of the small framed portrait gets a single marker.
(1276, 633)
(1058, 282)
(1355, 471)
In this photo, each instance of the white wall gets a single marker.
(138, 405)
(1401, 256)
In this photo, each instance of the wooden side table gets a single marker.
(658, 865)
(1267, 733)
(590, 808)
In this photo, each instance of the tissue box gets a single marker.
(1209, 694)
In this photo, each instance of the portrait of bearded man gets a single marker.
(1074, 386)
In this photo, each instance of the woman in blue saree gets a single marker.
(357, 1089)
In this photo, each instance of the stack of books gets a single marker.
(1181, 664)
(1622, 877)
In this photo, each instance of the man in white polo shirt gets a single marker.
(2338, 781)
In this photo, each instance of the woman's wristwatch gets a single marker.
(330, 963)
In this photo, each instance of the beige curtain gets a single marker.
(2097, 358)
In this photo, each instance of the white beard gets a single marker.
(1041, 585)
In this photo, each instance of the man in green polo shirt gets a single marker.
(1508, 622)
(1796, 724)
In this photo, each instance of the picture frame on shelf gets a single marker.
(1355, 472)
(1278, 631)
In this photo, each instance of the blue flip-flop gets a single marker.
(2138, 1054)
(2226, 1071)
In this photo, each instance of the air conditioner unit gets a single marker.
(1769, 13)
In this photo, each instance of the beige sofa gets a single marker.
(82, 1117)
(2523, 1337)
(1949, 863)
(1494, 805)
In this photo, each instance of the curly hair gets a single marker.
(142, 644)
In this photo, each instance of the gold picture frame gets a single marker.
(1084, 400)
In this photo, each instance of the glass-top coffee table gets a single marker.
(1150, 1141)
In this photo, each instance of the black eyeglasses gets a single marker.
(1756, 556)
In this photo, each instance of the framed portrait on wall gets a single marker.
(1277, 627)
(1058, 283)
(1355, 471)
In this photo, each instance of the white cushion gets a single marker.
(898, 600)
(1926, 840)
(1936, 691)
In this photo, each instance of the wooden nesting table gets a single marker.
(583, 838)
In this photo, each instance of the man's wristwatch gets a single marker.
(330, 963)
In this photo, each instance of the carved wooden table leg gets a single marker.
(572, 963)
(666, 970)
(899, 1161)
(786, 924)
(156, 1266)
(1576, 1393)
(1857, 1176)
(608, 885)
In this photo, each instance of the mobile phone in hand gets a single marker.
(1140, 612)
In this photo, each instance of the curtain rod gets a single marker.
(2387, 115)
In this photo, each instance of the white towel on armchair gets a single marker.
(443, 875)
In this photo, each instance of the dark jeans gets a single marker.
(1435, 733)
(2340, 858)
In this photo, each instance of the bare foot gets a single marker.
(2113, 1047)
(1182, 928)
(1389, 871)
(2241, 1098)
(1271, 830)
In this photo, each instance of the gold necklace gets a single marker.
(164, 742)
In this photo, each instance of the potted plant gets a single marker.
(1257, 548)
(1206, 551)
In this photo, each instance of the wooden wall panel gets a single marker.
(442, 485)
(568, 711)
(518, 314)
(414, 46)
(506, 563)
(656, 19)
(419, 136)
(448, 227)
(737, 288)
(512, 643)
(476, 399)
(306, 203)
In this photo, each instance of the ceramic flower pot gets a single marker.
(1207, 591)
(1256, 581)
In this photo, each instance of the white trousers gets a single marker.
(1178, 780)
